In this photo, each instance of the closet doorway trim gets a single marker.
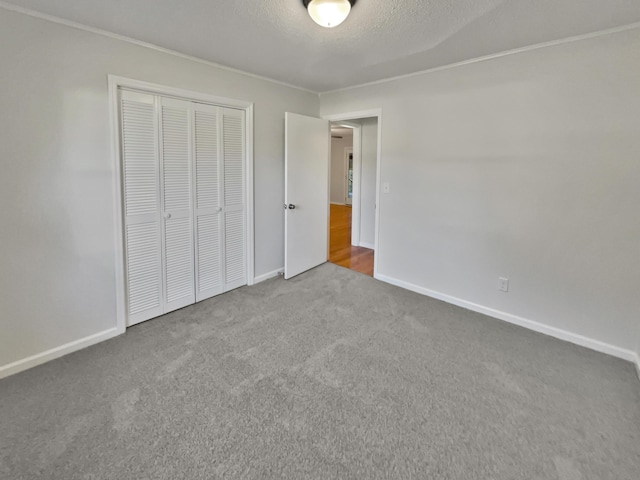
(115, 83)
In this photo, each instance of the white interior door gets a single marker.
(307, 148)
(220, 232)
(234, 208)
(175, 187)
(185, 208)
(142, 220)
(208, 204)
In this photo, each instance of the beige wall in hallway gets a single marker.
(338, 191)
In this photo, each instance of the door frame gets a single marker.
(114, 83)
(353, 116)
(356, 150)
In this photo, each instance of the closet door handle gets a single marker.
(167, 216)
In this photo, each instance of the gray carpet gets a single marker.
(331, 375)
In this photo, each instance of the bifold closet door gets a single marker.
(208, 211)
(184, 202)
(141, 205)
(176, 208)
(220, 209)
(234, 208)
(156, 165)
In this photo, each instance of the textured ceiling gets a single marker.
(380, 39)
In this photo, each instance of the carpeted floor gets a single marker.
(330, 375)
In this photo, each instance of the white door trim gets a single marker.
(356, 204)
(356, 149)
(377, 113)
(115, 82)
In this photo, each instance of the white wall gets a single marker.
(368, 181)
(525, 166)
(57, 280)
(337, 188)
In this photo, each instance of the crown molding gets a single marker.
(537, 46)
(123, 38)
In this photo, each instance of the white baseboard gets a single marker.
(370, 246)
(267, 276)
(337, 203)
(57, 352)
(516, 320)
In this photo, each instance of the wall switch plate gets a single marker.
(385, 187)
(503, 284)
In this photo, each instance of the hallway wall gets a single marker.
(368, 181)
(337, 191)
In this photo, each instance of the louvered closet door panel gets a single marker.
(207, 157)
(208, 211)
(235, 263)
(209, 256)
(234, 195)
(233, 146)
(179, 263)
(176, 189)
(143, 271)
(141, 202)
(175, 155)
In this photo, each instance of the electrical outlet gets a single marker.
(503, 284)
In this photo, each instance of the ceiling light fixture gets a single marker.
(328, 13)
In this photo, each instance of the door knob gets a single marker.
(167, 216)
(292, 206)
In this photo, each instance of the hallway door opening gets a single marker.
(353, 180)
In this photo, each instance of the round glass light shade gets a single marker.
(329, 13)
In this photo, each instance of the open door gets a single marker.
(306, 167)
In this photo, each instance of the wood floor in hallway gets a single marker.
(341, 252)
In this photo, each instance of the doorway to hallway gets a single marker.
(352, 187)
(307, 198)
(341, 252)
